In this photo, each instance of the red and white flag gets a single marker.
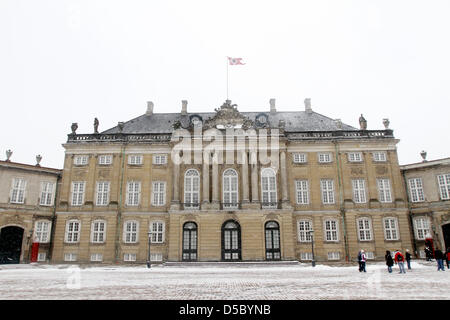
(235, 61)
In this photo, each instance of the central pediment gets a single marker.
(228, 116)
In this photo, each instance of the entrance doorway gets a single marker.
(231, 241)
(446, 234)
(10, 244)
(273, 251)
(190, 241)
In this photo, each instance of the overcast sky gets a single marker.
(71, 61)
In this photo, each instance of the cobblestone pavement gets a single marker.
(222, 282)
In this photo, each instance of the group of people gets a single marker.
(399, 259)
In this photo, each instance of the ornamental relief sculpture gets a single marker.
(228, 116)
(381, 170)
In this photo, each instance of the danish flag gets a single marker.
(235, 61)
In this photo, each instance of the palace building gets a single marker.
(230, 186)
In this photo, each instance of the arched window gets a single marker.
(191, 189)
(230, 189)
(231, 241)
(269, 188)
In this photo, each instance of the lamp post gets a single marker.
(311, 233)
(149, 241)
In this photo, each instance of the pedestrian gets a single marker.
(439, 259)
(428, 253)
(447, 257)
(389, 261)
(359, 261)
(399, 258)
(363, 261)
(408, 259)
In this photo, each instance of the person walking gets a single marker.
(363, 261)
(408, 259)
(447, 257)
(359, 260)
(389, 261)
(439, 259)
(399, 258)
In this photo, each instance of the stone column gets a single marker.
(254, 167)
(206, 158)
(215, 204)
(284, 183)
(244, 174)
(175, 205)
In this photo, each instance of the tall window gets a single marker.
(304, 228)
(269, 188)
(18, 190)
(46, 198)
(302, 191)
(327, 188)
(133, 193)
(324, 157)
(364, 229)
(384, 190)
(390, 228)
(230, 189)
(359, 191)
(191, 189)
(157, 232)
(72, 231)
(102, 193)
(331, 230)
(78, 193)
(159, 193)
(444, 186)
(98, 230)
(416, 190)
(42, 231)
(422, 228)
(130, 232)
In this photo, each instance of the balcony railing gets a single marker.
(340, 134)
(122, 137)
(269, 205)
(191, 206)
(230, 205)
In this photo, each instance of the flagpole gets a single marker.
(227, 77)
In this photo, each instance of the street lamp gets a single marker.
(311, 234)
(148, 258)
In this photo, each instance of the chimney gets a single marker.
(308, 105)
(149, 108)
(184, 107)
(272, 106)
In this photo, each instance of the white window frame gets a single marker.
(334, 255)
(364, 228)
(105, 159)
(300, 157)
(158, 193)
(159, 159)
(355, 156)
(416, 190)
(331, 230)
(129, 257)
(78, 189)
(305, 256)
(157, 231)
(191, 189)
(72, 234)
(102, 193)
(135, 159)
(42, 229)
(70, 257)
(47, 193)
(379, 156)
(131, 234)
(444, 186)
(302, 191)
(384, 190)
(230, 189)
(390, 227)
(96, 257)
(422, 227)
(41, 256)
(18, 191)
(81, 160)
(269, 188)
(133, 193)
(324, 157)
(303, 228)
(156, 257)
(359, 190)
(327, 191)
(98, 231)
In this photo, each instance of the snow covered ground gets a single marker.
(243, 282)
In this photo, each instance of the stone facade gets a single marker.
(206, 212)
(428, 186)
(22, 207)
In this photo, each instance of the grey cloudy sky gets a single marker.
(65, 61)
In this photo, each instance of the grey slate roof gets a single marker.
(294, 121)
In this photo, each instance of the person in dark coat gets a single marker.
(447, 257)
(359, 261)
(439, 256)
(389, 261)
(408, 259)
